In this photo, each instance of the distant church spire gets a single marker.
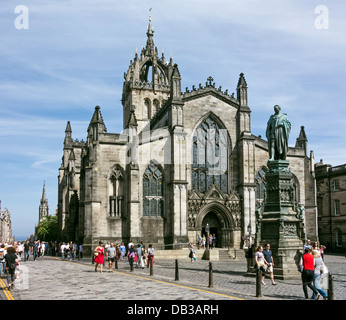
(43, 209)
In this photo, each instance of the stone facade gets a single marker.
(5, 226)
(331, 201)
(184, 159)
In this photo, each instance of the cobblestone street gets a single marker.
(50, 278)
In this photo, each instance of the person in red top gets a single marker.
(308, 262)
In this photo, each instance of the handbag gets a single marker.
(96, 254)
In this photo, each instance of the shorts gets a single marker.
(270, 268)
(111, 259)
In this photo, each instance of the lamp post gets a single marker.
(207, 231)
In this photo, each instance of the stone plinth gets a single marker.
(279, 224)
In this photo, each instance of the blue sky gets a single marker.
(74, 55)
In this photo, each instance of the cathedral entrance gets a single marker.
(214, 227)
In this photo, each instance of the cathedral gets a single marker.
(183, 160)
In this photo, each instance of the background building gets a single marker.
(184, 159)
(331, 200)
(5, 226)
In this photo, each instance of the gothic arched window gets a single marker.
(210, 156)
(153, 191)
(261, 186)
(116, 199)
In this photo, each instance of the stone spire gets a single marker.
(96, 125)
(150, 48)
(302, 141)
(43, 209)
(68, 134)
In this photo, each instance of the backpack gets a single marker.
(1, 255)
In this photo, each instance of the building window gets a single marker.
(210, 156)
(116, 199)
(336, 207)
(335, 185)
(153, 191)
(146, 110)
(338, 238)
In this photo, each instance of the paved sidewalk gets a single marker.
(49, 278)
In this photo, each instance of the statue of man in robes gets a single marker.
(278, 130)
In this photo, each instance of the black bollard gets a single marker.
(211, 285)
(116, 263)
(258, 284)
(330, 287)
(92, 258)
(176, 270)
(151, 267)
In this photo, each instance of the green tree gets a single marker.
(47, 228)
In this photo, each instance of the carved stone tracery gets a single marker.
(197, 201)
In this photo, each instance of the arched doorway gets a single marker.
(220, 222)
(214, 226)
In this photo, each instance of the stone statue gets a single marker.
(278, 130)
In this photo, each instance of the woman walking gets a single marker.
(260, 263)
(308, 263)
(131, 254)
(317, 276)
(99, 256)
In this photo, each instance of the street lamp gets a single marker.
(207, 231)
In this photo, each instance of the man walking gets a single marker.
(268, 256)
(26, 250)
(110, 256)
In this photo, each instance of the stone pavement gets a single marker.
(50, 278)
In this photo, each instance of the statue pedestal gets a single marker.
(279, 224)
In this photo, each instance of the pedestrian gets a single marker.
(118, 252)
(150, 254)
(315, 246)
(130, 245)
(26, 250)
(99, 256)
(43, 249)
(199, 238)
(308, 263)
(144, 253)
(11, 261)
(307, 245)
(322, 247)
(110, 255)
(249, 257)
(80, 253)
(260, 263)
(70, 250)
(191, 251)
(34, 250)
(203, 242)
(268, 256)
(214, 240)
(2, 259)
(131, 254)
(317, 275)
(210, 241)
(74, 250)
(123, 251)
(140, 256)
